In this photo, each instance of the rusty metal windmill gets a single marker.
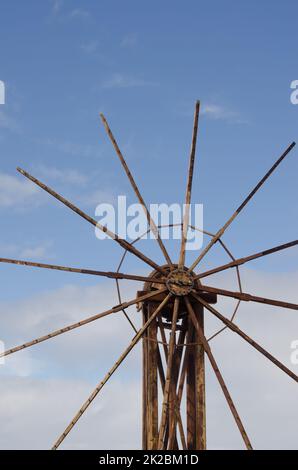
(173, 302)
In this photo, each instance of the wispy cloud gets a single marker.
(90, 47)
(72, 148)
(17, 193)
(7, 122)
(41, 251)
(98, 196)
(57, 5)
(38, 252)
(59, 10)
(79, 13)
(47, 402)
(218, 112)
(118, 80)
(66, 175)
(129, 40)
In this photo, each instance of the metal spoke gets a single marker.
(150, 221)
(247, 297)
(189, 186)
(109, 274)
(240, 261)
(243, 335)
(239, 209)
(110, 373)
(123, 243)
(218, 374)
(53, 334)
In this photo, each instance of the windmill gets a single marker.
(173, 303)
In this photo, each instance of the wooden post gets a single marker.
(195, 420)
(150, 389)
(200, 385)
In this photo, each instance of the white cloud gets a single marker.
(79, 13)
(17, 193)
(217, 112)
(129, 40)
(43, 386)
(7, 122)
(34, 252)
(73, 148)
(45, 407)
(65, 14)
(37, 252)
(57, 6)
(118, 80)
(98, 197)
(73, 363)
(66, 175)
(90, 47)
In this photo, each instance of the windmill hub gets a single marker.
(180, 282)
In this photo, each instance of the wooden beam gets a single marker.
(98, 388)
(189, 186)
(55, 333)
(150, 221)
(249, 340)
(222, 230)
(123, 243)
(218, 375)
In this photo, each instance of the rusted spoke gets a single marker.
(123, 243)
(150, 221)
(239, 209)
(189, 185)
(53, 334)
(243, 335)
(240, 261)
(109, 274)
(176, 418)
(110, 373)
(165, 405)
(218, 374)
(247, 297)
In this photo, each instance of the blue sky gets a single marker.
(144, 64)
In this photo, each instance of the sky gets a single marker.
(144, 65)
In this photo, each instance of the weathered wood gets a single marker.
(145, 382)
(96, 391)
(218, 375)
(150, 221)
(211, 298)
(152, 388)
(171, 351)
(241, 261)
(189, 186)
(123, 243)
(249, 340)
(200, 383)
(174, 404)
(163, 310)
(53, 334)
(248, 297)
(191, 391)
(163, 337)
(109, 274)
